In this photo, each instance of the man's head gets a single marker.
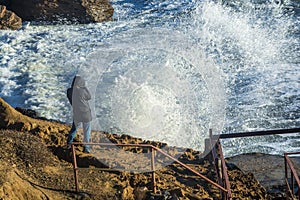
(79, 81)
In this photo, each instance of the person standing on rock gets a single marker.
(79, 96)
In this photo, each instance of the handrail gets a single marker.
(262, 133)
(224, 172)
(223, 177)
(215, 158)
(294, 175)
(192, 170)
(226, 190)
(75, 167)
(258, 133)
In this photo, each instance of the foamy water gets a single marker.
(168, 71)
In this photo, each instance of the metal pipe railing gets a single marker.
(294, 175)
(75, 168)
(225, 177)
(260, 133)
(215, 158)
(224, 180)
(190, 169)
(221, 170)
(154, 149)
(153, 169)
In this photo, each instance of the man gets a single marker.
(79, 96)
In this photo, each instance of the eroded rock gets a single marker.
(51, 132)
(81, 11)
(8, 19)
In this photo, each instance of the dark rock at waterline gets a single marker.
(8, 19)
(27, 112)
(51, 11)
(33, 114)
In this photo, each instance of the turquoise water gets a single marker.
(168, 70)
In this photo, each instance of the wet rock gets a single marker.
(81, 11)
(27, 112)
(8, 19)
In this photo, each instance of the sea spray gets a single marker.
(252, 46)
(252, 43)
(158, 85)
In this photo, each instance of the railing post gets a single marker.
(292, 183)
(225, 178)
(153, 169)
(286, 177)
(75, 168)
(298, 192)
(215, 160)
(290, 186)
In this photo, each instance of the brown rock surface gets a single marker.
(82, 11)
(269, 170)
(35, 165)
(52, 132)
(8, 19)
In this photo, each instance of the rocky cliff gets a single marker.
(54, 11)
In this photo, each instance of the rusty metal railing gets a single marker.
(224, 175)
(216, 149)
(153, 150)
(258, 133)
(290, 187)
(75, 166)
(220, 166)
(225, 178)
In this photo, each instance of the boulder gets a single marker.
(81, 11)
(8, 19)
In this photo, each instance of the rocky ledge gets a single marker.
(52, 11)
(36, 165)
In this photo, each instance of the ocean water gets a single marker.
(168, 70)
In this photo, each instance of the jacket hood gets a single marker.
(79, 81)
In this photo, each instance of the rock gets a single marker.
(127, 193)
(8, 19)
(81, 11)
(140, 193)
(13, 182)
(14, 120)
(269, 170)
(27, 112)
(178, 192)
(100, 10)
